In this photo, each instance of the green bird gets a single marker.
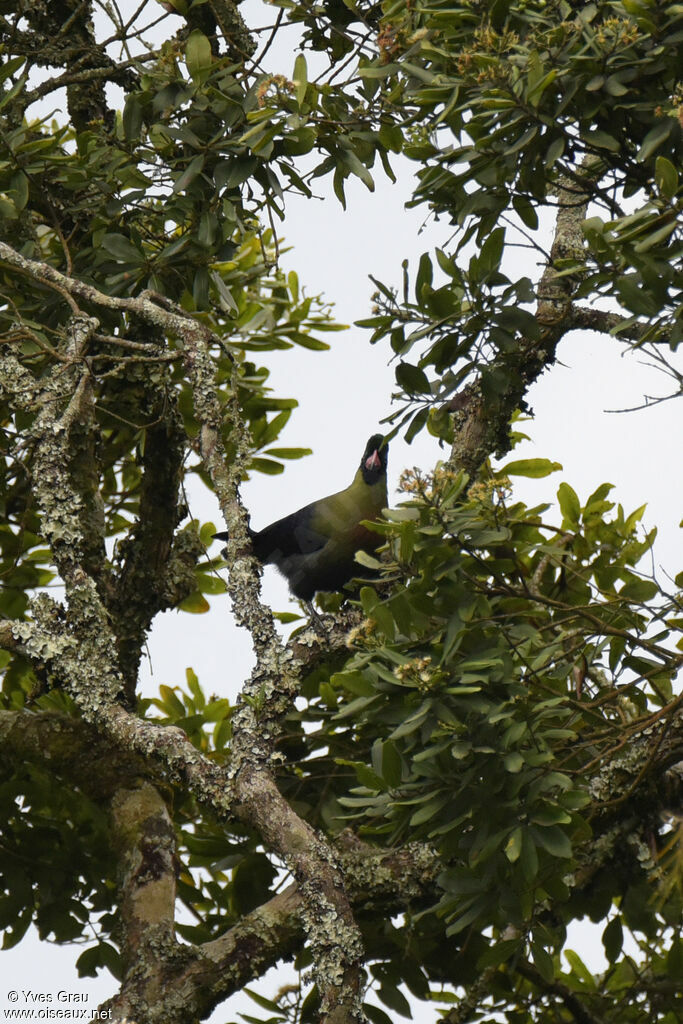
(315, 547)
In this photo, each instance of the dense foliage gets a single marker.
(493, 732)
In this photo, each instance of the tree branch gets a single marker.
(607, 323)
(69, 747)
(143, 835)
(578, 1010)
(268, 694)
(257, 722)
(481, 420)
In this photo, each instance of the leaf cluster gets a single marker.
(485, 696)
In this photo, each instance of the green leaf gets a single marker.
(579, 969)
(391, 767)
(392, 997)
(655, 237)
(101, 955)
(266, 466)
(535, 93)
(354, 682)
(349, 159)
(363, 558)
(428, 810)
(198, 55)
(230, 173)
(365, 775)
(5, 100)
(639, 590)
(513, 847)
(654, 138)
(549, 814)
(492, 251)
(602, 140)
(210, 584)
(543, 961)
(307, 341)
(674, 959)
(425, 274)
(416, 424)
(613, 939)
(526, 211)
(217, 710)
(498, 954)
(666, 177)
(132, 118)
(376, 1015)
(515, 319)
(595, 83)
(300, 77)
(171, 702)
(121, 248)
(265, 1004)
(554, 840)
(570, 505)
(514, 762)
(289, 453)
(615, 86)
(8, 67)
(391, 137)
(189, 174)
(194, 687)
(412, 379)
(535, 468)
(196, 603)
(529, 857)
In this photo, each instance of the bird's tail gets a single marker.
(225, 535)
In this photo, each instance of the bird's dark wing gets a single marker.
(293, 535)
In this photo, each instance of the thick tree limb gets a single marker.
(71, 748)
(332, 931)
(607, 323)
(271, 689)
(75, 47)
(178, 980)
(143, 836)
(378, 881)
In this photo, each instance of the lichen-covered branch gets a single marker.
(646, 773)
(607, 323)
(69, 747)
(165, 980)
(77, 47)
(95, 684)
(144, 839)
(270, 691)
(222, 19)
(332, 931)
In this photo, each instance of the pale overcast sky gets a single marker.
(343, 394)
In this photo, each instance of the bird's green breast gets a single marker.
(315, 547)
(339, 517)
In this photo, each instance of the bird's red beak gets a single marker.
(374, 461)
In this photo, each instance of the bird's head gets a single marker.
(373, 465)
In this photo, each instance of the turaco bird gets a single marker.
(314, 548)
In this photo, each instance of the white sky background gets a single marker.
(343, 394)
